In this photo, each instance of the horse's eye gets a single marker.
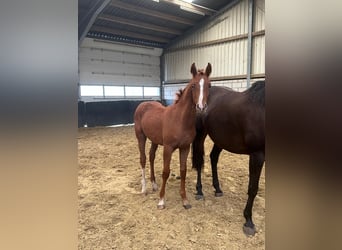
(193, 85)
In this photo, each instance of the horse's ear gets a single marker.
(208, 70)
(193, 70)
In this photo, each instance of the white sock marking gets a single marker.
(161, 202)
(143, 181)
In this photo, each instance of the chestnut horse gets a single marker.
(173, 127)
(235, 121)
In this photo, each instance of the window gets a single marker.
(119, 92)
(151, 91)
(114, 91)
(91, 90)
(134, 91)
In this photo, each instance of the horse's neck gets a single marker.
(185, 104)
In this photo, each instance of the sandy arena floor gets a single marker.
(113, 214)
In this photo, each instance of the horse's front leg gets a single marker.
(256, 161)
(199, 195)
(183, 156)
(198, 158)
(167, 153)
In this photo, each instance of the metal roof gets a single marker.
(143, 22)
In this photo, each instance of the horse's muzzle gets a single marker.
(201, 109)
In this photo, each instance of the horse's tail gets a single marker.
(198, 145)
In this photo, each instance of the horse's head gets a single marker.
(200, 85)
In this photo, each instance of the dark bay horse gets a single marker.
(235, 121)
(173, 127)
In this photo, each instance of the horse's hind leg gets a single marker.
(214, 156)
(256, 161)
(152, 157)
(142, 142)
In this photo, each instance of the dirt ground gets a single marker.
(113, 214)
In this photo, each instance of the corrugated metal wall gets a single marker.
(258, 57)
(228, 58)
(222, 42)
(259, 15)
(115, 64)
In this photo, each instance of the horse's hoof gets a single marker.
(199, 196)
(249, 231)
(160, 207)
(187, 206)
(218, 194)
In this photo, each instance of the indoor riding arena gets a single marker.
(137, 51)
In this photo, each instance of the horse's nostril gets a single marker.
(201, 107)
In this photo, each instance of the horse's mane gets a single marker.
(256, 93)
(178, 95)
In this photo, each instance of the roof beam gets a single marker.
(135, 35)
(139, 24)
(201, 24)
(92, 19)
(151, 13)
(191, 6)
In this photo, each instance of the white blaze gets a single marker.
(200, 98)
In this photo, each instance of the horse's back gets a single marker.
(147, 107)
